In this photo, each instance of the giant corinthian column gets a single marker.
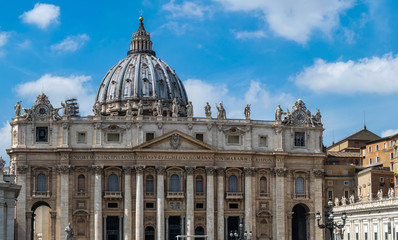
(210, 202)
(139, 204)
(97, 170)
(160, 202)
(127, 233)
(190, 201)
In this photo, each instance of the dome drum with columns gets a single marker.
(139, 83)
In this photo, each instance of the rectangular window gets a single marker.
(391, 166)
(384, 145)
(149, 186)
(391, 143)
(233, 205)
(330, 194)
(299, 139)
(81, 137)
(370, 161)
(262, 141)
(149, 136)
(329, 172)
(233, 139)
(346, 194)
(377, 147)
(149, 205)
(369, 149)
(348, 236)
(199, 136)
(345, 172)
(199, 205)
(41, 134)
(391, 155)
(381, 179)
(113, 137)
(377, 159)
(112, 205)
(375, 235)
(357, 236)
(366, 236)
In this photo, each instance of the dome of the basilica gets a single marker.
(141, 80)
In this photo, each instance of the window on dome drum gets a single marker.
(174, 183)
(81, 183)
(233, 139)
(149, 136)
(262, 141)
(149, 184)
(113, 183)
(199, 136)
(41, 134)
(300, 187)
(41, 183)
(113, 137)
(299, 139)
(81, 137)
(199, 185)
(233, 184)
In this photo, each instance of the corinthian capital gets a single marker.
(64, 169)
(97, 169)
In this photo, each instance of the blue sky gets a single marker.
(337, 55)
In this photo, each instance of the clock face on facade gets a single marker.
(42, 111)
(299, 116)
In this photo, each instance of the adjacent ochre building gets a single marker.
(143, 167)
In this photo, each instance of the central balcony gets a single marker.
(175, 195)
(234, 195)
(112, 195)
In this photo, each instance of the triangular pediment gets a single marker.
(175, 141)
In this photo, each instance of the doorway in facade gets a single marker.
(300, 228)
(233, 225)
(149, 233)
(112, 228)
(174, 227)
(41, 221)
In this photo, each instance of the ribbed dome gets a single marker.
(141, 76)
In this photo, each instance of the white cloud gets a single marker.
(249, 35)
(5, 140)
(42, 15)
(263, 103)
(175, 27)
(366, 75)
(294, 20)
(186, 9)
(59, 88)
(4, 36)
(389, 132)
(70, 43)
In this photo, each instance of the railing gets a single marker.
(234, 195)
(199, 193)
(175, 194)
(81, 193)
(300, 196)
(149, 194)
(45, 194)
(109, 194)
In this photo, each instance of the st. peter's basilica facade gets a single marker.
(143, 167)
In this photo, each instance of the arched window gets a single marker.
(300, 186)
(113, 183)
(41, 185)
(149, 184)
(174, 183)
(199, 184)
(263, 185)
(81, 183)
(199, 231)
(149, 233)
(233, 183)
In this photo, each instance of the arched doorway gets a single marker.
(300, 227)
(199, 231)
(41, 221)
(149, 233)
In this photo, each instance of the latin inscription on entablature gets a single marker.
(234, 158)
(173, 157)
(102, 157)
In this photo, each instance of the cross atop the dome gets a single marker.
(141, 12)
(141, 17)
